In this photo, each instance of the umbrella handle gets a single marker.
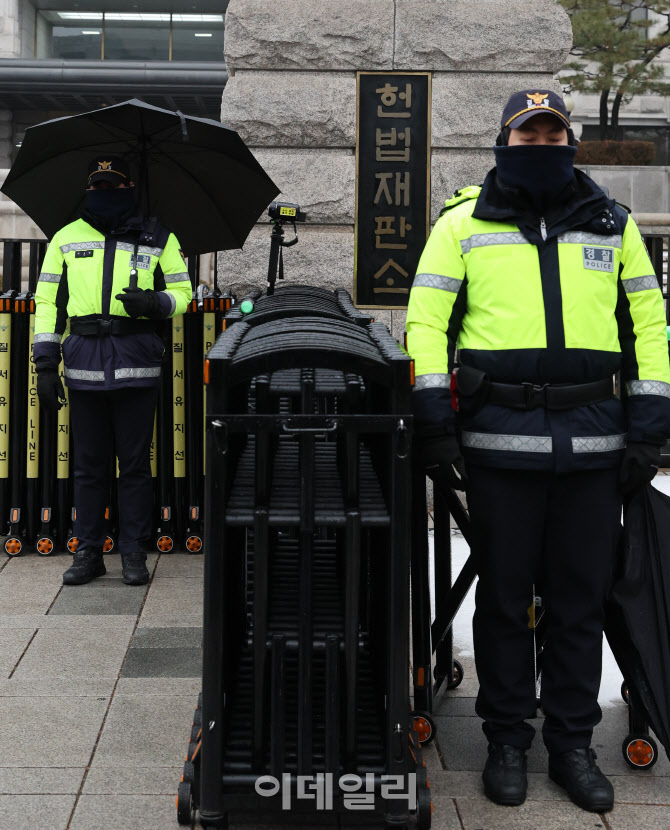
(133, 267)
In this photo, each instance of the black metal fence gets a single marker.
(36, 504)
(657, 246)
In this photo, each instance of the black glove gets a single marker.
(50, 389)
(640, 464)
(141, 302)
(439, 455)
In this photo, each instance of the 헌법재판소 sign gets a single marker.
(392, 184)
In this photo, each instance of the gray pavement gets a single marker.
(97, 689)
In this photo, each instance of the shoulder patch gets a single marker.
(155, 235)
(465, 194)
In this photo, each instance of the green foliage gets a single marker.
(615, 152)
(613, 54)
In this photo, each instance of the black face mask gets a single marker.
(540, 171)
(111, 205)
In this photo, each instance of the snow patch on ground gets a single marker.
(610, 685)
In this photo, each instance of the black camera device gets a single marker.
(286, 212)
(281, 213)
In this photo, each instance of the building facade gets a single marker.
(61, 57)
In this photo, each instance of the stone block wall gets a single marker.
(10, 29)
(292, 97)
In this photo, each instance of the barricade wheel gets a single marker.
(624, 692)
(72, 544)
(45, 546)
(165, 544)
(191, 750)
(457, 676)
(185, 803)
(194, 544)
(424, 726)
(424, 805)
(639, 751)
(108, 547)
(13, 546)
(189, 772)
(195, 732)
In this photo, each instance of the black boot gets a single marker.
(576, 772)
(504, 775)
(87, 565)
(134, 568)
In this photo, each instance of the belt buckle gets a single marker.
(534, 395)
(104, 328)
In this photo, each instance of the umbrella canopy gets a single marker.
(196, 175)
(638, 615)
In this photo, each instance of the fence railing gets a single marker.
(36, 495)
(657, 246)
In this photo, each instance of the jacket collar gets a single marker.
(127, 225)
(579, 204)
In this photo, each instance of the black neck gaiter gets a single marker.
(541, 171)
(110, 206)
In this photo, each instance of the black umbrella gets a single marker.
(638, 614)
(196, 175)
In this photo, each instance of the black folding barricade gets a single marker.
(433, 662)
(306, 607)
(299, 301)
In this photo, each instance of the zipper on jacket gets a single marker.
(543, 229)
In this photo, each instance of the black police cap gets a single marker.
(524, 105)
(105, 168)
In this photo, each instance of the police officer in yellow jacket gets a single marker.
(545, 287)
(112, 357)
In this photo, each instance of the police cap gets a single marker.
(524, 105)
(105, 168)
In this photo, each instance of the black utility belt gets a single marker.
(118, 326)
(532, 396)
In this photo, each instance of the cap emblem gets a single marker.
(104, 165)
(538, 99)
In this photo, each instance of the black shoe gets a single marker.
(87, 565)
(577, 773)
(504, 775)
(134, 566)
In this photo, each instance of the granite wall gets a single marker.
(292, 97)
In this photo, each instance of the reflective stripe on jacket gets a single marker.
(83, 271)
(569, 299)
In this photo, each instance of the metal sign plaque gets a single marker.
(392, 185)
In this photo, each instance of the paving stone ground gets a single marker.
(97, 689)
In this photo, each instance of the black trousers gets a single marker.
(103, 423)
(558, 532)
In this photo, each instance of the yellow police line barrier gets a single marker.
(5, 397)
(36, 508)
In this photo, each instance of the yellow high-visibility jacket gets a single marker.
(568, 298)
(83, 271)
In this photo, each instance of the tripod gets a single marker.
(277, 243)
